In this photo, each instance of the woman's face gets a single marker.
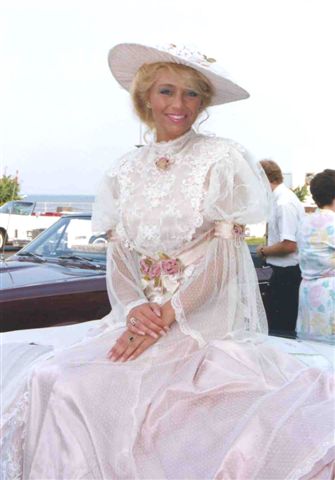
(174, 105)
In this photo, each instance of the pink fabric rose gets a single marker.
(155, 271)
(170, 266)
(239, 230)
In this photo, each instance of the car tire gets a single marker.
(3, 238)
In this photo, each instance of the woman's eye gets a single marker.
(165, 91)
(192, 93)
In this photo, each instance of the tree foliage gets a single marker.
(9, 188)
(301, 192)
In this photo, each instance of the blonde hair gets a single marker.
(146, 76)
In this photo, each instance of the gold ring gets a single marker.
(132, 321)
(131, 338)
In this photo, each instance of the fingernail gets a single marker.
(167, 329)
(154, 335)
(141, 333)
(122, 359)
(131, 358)
(162, 332)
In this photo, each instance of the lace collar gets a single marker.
(172, 147)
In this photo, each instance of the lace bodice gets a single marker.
(155, 209)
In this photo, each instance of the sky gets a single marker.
(64, 120)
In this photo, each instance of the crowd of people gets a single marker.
(180, 380)
(301, 251)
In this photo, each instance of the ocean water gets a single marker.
(59, 198)
(69, 203)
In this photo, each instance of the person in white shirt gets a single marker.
(281, 253)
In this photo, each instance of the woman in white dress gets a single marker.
(178, 381)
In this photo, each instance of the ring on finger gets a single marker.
(132, 321)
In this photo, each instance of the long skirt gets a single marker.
(234, 409)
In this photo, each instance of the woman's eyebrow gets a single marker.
(166, 85)
(171, 85)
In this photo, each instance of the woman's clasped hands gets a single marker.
(145, 326)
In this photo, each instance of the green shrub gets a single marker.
(9, 188)
(301, 192)
(255, 240)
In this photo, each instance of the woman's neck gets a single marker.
(161, 137)
(329, 207)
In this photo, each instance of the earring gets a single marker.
(148, 105)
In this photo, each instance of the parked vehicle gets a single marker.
(21, 220)
(59, 278)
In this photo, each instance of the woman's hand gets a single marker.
(129, 346)
(146, 319)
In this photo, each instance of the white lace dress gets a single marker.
(211, 400)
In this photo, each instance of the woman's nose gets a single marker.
(178, 100)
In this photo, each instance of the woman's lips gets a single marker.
(176, 118)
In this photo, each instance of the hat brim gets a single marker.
(126, 58)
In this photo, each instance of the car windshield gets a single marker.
(70, 238)
(17, 208)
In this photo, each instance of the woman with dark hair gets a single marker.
(179, 381)
(316, 243)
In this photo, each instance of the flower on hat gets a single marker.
(187, 54)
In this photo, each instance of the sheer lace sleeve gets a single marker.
(123, 280)
(122, 277)
(222, 294)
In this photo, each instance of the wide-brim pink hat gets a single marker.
(126, 58)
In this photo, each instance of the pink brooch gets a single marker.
(164, 163)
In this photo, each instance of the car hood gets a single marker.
(16, 274)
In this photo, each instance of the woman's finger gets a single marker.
(136, 329)
(117, 350)
(140, 349)
(147, 326)
(149, 313)
(146, 321)
(135, 326)
(156, 309)
(133, 344)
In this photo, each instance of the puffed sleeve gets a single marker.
(221, 297)
(105, 213)
(238, 191)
